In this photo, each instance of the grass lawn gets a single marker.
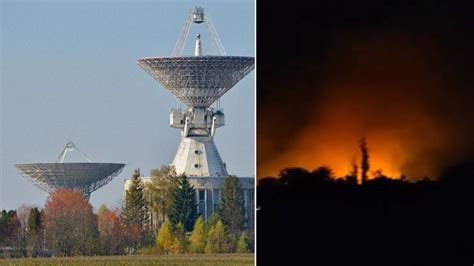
(182, 259)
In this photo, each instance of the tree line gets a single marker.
(377, 221)
(159, 217)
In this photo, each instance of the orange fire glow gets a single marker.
(385, 88)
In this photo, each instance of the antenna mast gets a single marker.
(71, 147)
(198, 16)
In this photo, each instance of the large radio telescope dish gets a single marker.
(198, 81)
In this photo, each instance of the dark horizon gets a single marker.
(310, 216)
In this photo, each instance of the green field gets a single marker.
(184, 259)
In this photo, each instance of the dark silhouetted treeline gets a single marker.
(313, 218)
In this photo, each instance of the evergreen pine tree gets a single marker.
(231, 209)
(183, 206)
(135, 211)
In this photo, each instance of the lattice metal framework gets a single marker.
(84, 177)
(71, 147)
(198, 81)
(198, 16)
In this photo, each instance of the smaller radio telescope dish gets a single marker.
(85, 177)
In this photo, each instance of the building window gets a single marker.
(201, 203)
(216, 198)
(246, 206)
(202, 195)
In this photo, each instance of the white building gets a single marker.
(208, 195)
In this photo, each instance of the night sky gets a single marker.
(400, 75)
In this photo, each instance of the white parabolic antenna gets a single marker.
(198, 81)
(85, 177)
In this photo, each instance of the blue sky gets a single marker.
(69, 72)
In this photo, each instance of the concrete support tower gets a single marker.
(198, 81)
